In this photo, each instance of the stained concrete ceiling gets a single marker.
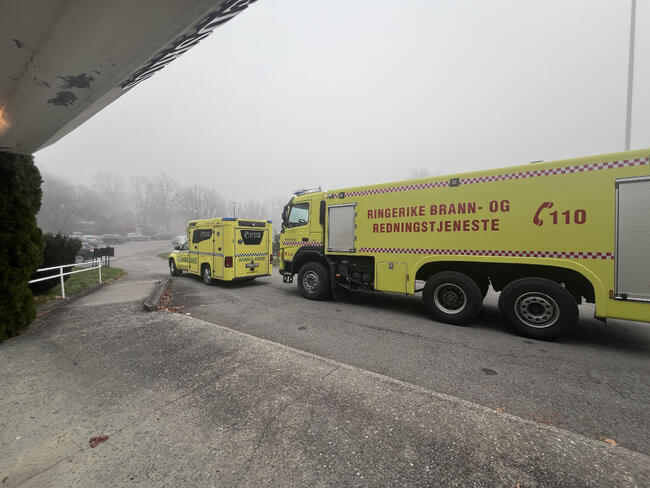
(63, 61)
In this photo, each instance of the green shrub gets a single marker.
(59, 249)
(21, 241)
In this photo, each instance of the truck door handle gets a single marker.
(305, 239)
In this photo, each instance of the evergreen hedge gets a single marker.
(59, 249)
(21, 241)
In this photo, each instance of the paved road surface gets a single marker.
(595, 382)
(183, 402)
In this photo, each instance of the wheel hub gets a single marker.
(450, 298)
(537, 310)
(310, 281)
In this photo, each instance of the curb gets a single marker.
(152, 301)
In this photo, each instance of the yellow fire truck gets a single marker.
(546, 235)
(225, 249)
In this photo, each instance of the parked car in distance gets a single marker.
(94, 241)
(112, 239)
(136, 236)
(86, 252)
(179, 240)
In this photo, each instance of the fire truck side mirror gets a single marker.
(323, 209)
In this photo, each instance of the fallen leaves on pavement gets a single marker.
(95, 441)
(165, 303)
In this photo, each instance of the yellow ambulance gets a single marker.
(546, 235)
(224, 249)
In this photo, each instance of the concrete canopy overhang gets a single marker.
(63, 61)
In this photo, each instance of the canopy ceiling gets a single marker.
(61, 61)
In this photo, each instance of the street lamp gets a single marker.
(630, 77)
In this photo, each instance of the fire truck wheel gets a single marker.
(538, 308)
(206, 274)
(313, 281)
(452, 297)
(483, 285)
(173, 270)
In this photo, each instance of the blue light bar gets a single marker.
(229, 218)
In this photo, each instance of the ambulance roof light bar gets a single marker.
(303, 191)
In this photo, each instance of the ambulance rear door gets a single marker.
(251, 249)
(217, 238)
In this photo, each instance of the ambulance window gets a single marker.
(299, 214)
(201, 235)
(185, 246)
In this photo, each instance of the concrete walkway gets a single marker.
(187, 403)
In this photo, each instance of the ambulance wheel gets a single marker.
(206, 274)
(313, 281)
(452, 297)
(173, 270)
(538, 308)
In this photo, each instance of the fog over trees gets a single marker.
(151, 205)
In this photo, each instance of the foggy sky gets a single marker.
(299, 93)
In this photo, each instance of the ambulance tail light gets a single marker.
(228, 262)
(270, 258)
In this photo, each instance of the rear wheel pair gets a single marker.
(538, 308)
(535, 307)
(206, 274)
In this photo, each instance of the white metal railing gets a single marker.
(97, 264)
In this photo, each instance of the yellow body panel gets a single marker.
(560, 214)
(232, 248)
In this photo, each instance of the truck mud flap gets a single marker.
(333, 279)
(287, 278)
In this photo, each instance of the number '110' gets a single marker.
(578, 217)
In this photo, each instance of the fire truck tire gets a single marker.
(313, 281)
(206, 274)
(173, 270)
(538, 308)
(483, 285)
(452, 297)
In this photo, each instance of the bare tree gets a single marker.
(143, 201)
(252, 210)
(199, 202)
(275, 207)
(163, 195)
(60, 207)
(110, 187)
